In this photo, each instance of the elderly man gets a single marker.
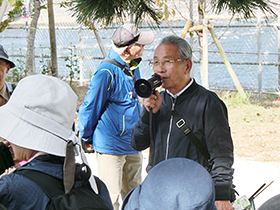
(189, 121)
(110, 110)
(5, 87)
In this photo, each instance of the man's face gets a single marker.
(136, 51)
(4, 69)
(168, 65)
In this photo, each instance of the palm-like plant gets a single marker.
(244, 8)
(106, 11)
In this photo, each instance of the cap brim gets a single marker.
(146, 38)
(26, 135)
(12, 65)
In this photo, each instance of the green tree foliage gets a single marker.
(16, 10)
(244, 8)
(106, 11)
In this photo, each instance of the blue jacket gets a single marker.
(110, 109)
(20, 193)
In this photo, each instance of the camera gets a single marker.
(145, 88)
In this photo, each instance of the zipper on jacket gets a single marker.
(170, 126)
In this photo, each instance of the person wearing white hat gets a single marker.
(37, 122)
(110, 110)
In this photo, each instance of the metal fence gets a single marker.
(252, 48)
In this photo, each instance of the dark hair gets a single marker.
(1, 59)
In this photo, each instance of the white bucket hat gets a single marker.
(40, 116)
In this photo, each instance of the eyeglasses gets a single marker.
(167, 63)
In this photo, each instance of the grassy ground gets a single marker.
(255, 125)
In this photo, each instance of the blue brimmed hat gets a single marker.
(173, 184)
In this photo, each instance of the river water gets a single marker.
(240, 43)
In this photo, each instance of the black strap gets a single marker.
(122, 67)
(44, 181)
(127, 73)
(152, 140)
(181, 124)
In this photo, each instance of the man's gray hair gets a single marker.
(185, 50)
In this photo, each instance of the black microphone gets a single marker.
(145, 88)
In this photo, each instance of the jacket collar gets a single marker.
(186, 90)
(168, 98)
(115, 56)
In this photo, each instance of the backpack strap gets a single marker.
(44, 181)
(116, 63)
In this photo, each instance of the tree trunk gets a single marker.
(99, 40)
(200, 35)
(52, 39)
(30, 57)
(3, 9)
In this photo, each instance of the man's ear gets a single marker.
(188, 65)
(8, 68)
(126, 51)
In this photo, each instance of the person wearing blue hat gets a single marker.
(173, 184)
(271, 204)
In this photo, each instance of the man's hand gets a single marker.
(223, 205)
(87, 147)
(154, 101)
